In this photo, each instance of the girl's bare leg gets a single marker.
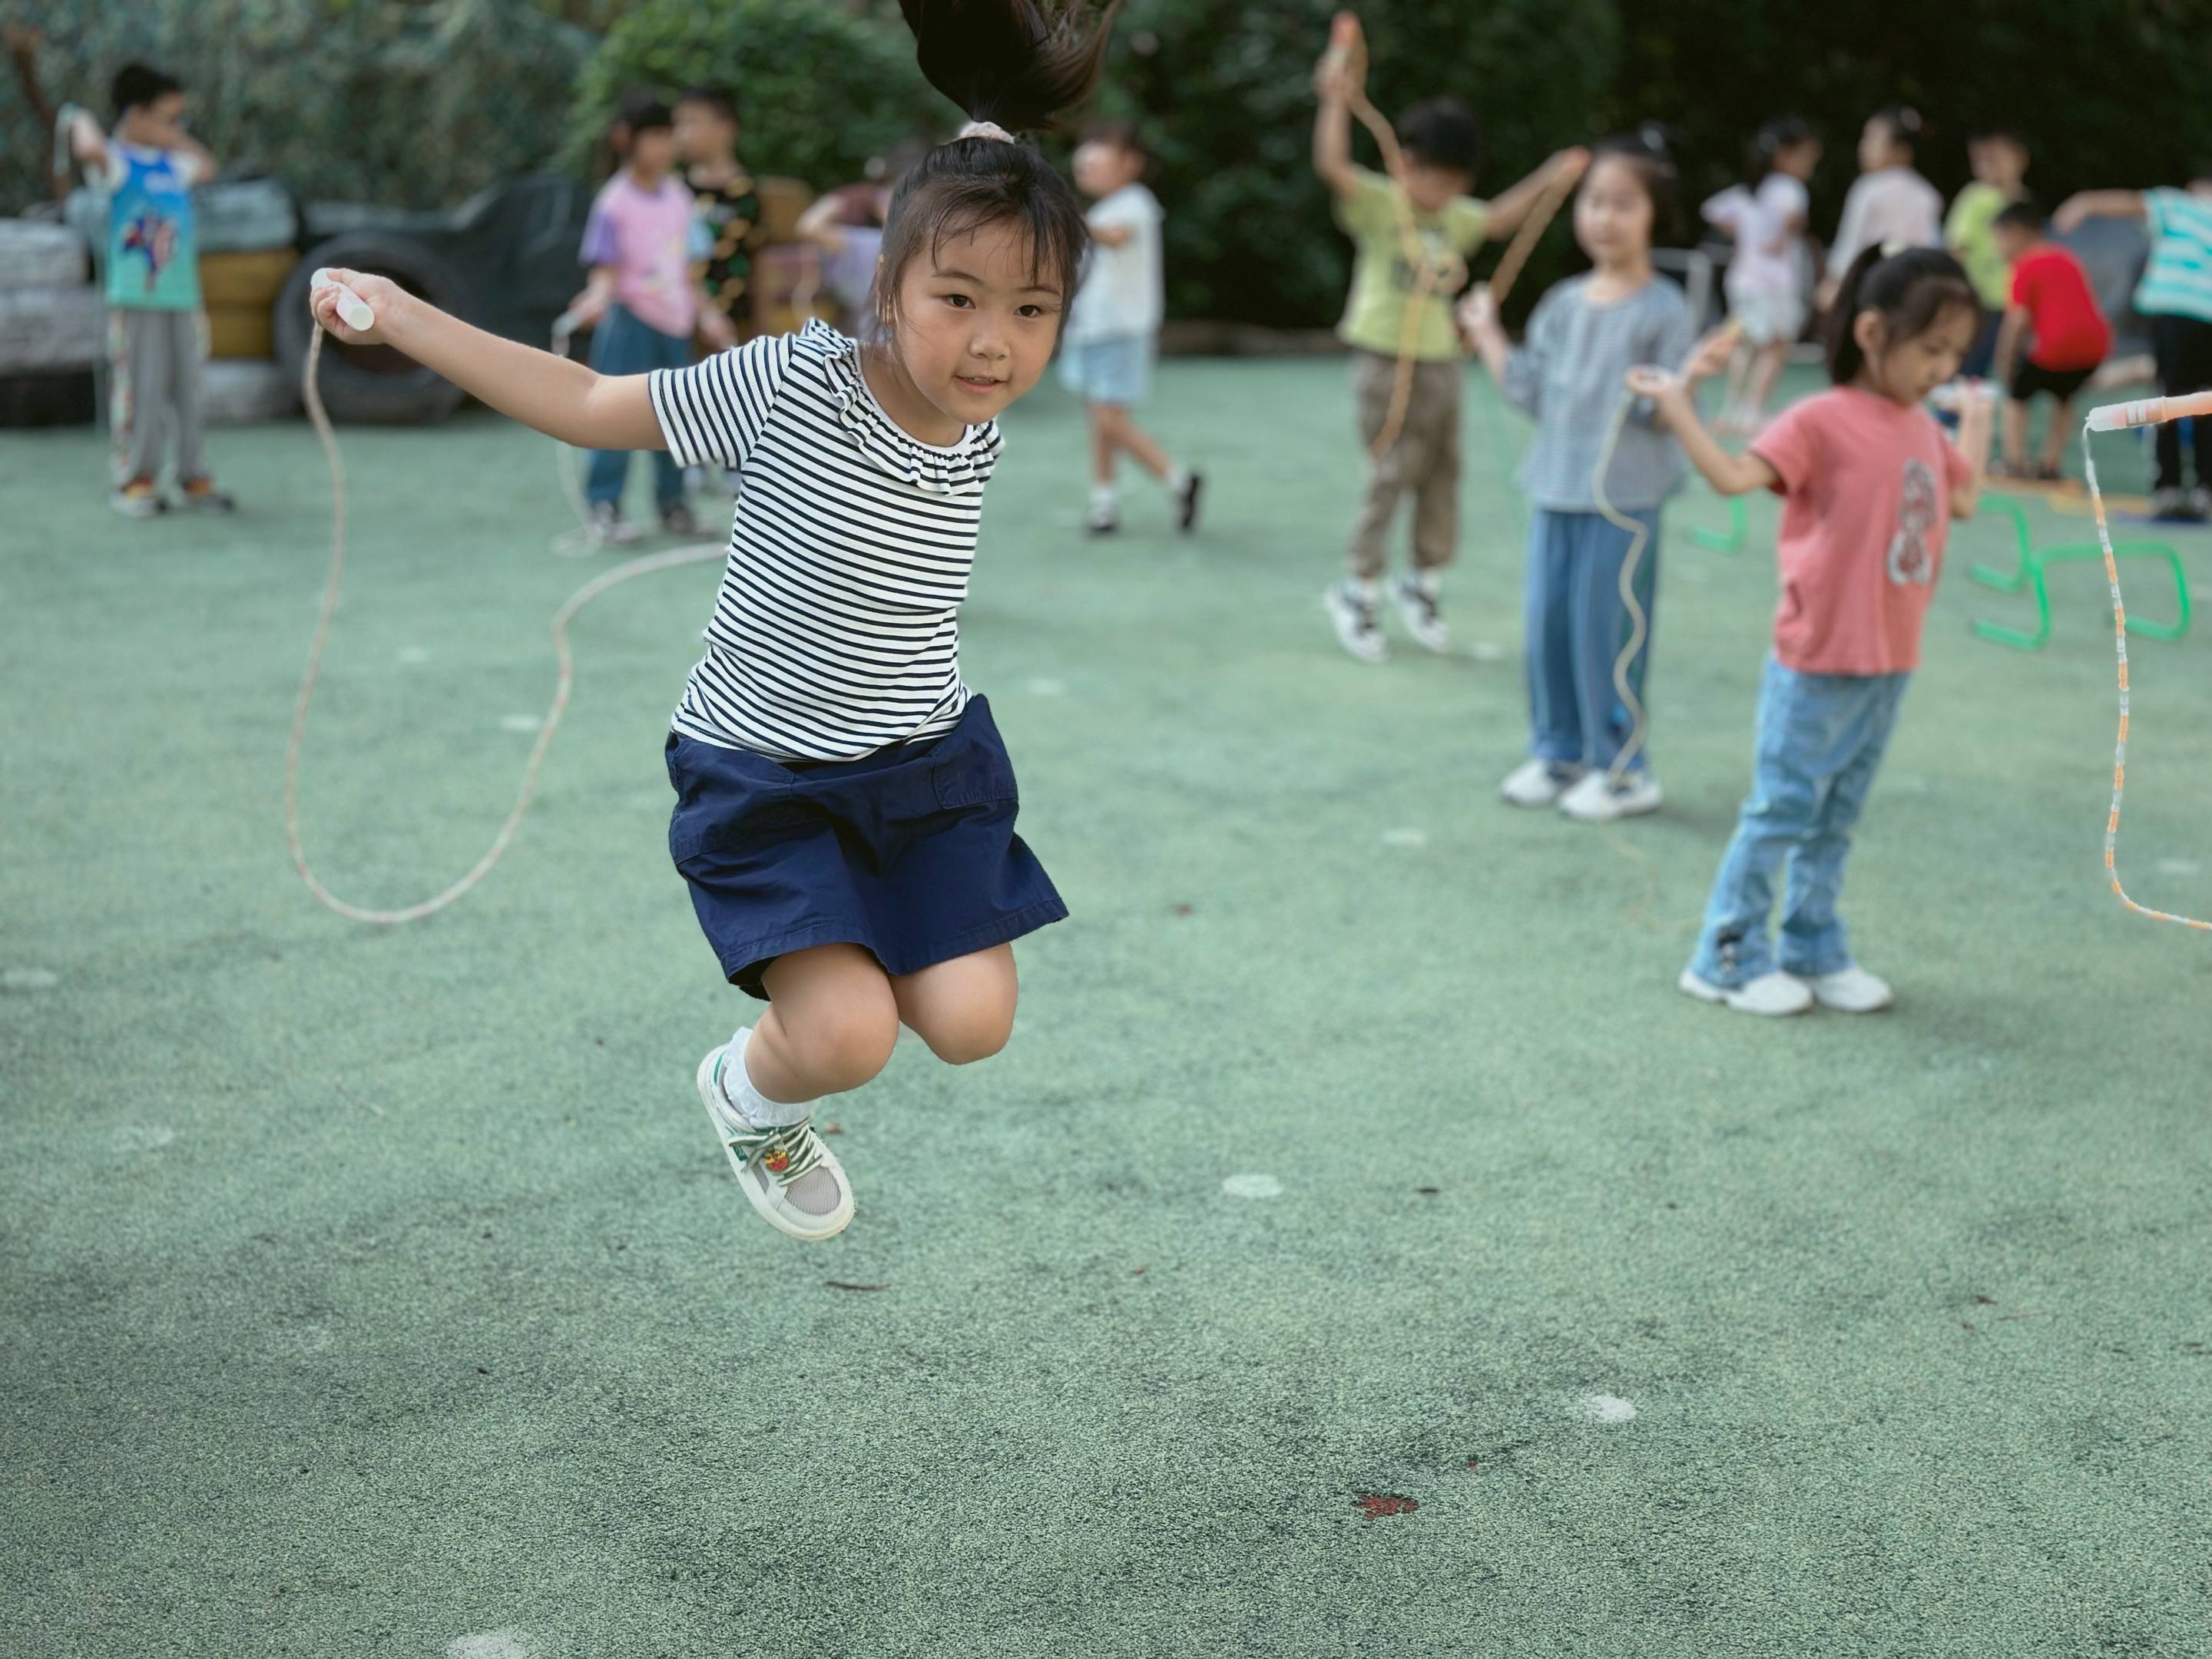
(964, 1009)
(831, 1024)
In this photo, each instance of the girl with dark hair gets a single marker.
(1869, 485)
(845, 809)
(1765, 282)
(1584, 335)
(1888, 201)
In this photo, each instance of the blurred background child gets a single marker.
(2176, 294)
(1113, 328)
(156, 332)
(1766, 282)
(728, 210)
(2053, 313)
(1999, 160)
(1889, 204)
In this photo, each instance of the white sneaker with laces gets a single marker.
(1538, 782)
(1773, 995)
(1851, 990)
(1597, 799)
(1353, 615)
(793, 1179)
(1424, 619)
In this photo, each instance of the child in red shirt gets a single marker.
(2051, 299)
(1869, 486)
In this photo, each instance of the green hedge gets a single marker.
(415, 103)
(818, 90)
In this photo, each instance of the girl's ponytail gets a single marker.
(1908, 289)
(1017, 64)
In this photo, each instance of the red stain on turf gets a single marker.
(1380, 1504)
(1183, 910)
(833, 1128)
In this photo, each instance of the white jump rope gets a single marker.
(357, 314)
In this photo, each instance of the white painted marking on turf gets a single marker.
(1487, 651)
(29, 978)
(520, 722)
(143, 1137)
(490, 1644)
(1048, 687)
(413, 653)
(1604, 1408)
(1405, 838)
(1252, 1185)
(2178, 867)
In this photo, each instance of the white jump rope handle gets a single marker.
(352, 308)
(2150, 411)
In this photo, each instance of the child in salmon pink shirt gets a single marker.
(1869, 486)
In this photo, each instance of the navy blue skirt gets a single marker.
(909, 853)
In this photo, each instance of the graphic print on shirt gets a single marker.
(151, 260)
(1447, 271)
(1915, 517)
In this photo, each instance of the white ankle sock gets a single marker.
(1103, 498)
(1178, 480)
(746, 1100)
(1369, 588)
(1431, 582)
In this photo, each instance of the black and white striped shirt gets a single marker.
(835, 632)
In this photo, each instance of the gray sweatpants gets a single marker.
(153, 361)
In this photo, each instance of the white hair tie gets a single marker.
(990, 129)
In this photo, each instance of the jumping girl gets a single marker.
(845, 809)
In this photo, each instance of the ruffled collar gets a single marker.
(888, 446)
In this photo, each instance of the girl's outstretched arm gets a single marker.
(560, 398)
(1731, 475)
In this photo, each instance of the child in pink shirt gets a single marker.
(643, 301)
(1869, 486)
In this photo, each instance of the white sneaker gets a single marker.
(1851, 990)
(1538, 782)
(1597, 799)
(1771, 994)
(793, 1179)
(1353, 613)
(608, 527)
(1417, 609)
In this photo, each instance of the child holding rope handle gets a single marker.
(845, 811)
(1869, 486)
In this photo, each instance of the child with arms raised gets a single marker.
(1764, 284)
(1441, 144)
(1585, 334)
(845, 809)
(1869, 485)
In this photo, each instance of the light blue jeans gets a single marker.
(1576, 625)
(1819, 739)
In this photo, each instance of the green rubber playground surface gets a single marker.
(373, 1292)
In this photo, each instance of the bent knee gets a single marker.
(969, 1037)
(844, 1047)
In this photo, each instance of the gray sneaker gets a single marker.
(1352, 614)
(2174, 505)
(788, 1175)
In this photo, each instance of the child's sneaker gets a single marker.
(141, 498)
(793, 1179)
(1186, 500)
(1771, 994)
(2173, 506)
(1597, 799)
(1418, 611)
(607, 527)
(2200, 500)
(1104, 516)
(202, 496)
(1538, 782)
(679, 520)
(1353, 613)
(1850, 991)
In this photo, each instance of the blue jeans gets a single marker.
(622, 345)
(1576, 626)
(1820, 738)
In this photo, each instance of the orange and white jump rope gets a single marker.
(2118, 417)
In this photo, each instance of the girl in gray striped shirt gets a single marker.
(845, 809)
